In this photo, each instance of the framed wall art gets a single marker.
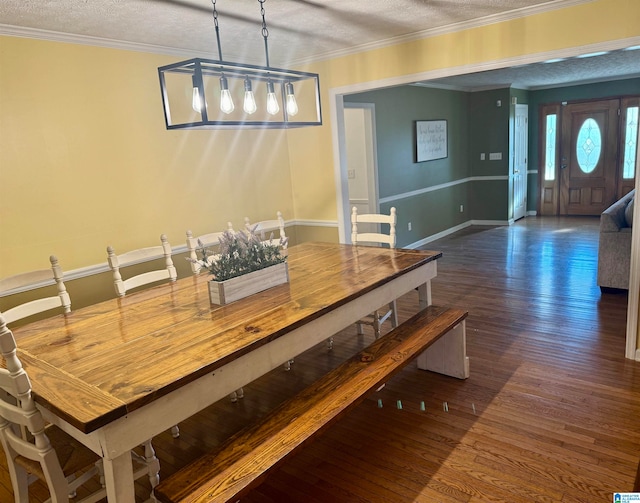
(431, 140)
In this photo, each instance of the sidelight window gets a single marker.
(630, 143)
(550, 151)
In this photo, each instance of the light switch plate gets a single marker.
(495, 156)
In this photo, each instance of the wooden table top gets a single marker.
(98, 363)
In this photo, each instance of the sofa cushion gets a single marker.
(628, 213)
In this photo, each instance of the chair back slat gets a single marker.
(36, 279)
(207, 240)
(373, 237)
(138, 256)
(265, 228)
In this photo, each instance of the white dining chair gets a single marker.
(41, 277)
(211, 240)
(45, 452)
(116, 262)
(375, 236)
(265, 229)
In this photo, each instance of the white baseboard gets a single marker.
(451, 230)
(489, 222)
(439, 235)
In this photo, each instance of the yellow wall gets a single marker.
(85, 159)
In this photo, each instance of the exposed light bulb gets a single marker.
(226, 101)
(272, 102)
(292, 104)
(249, 99)
(196, 101)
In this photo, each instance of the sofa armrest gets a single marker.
(613, 218)
(610, 221)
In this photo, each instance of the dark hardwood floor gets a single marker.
(549, 414)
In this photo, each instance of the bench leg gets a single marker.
(448, 355)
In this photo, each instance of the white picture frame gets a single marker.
(431, 140)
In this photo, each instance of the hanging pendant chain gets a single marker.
(215, 13)
(215, 22)
(265, 31)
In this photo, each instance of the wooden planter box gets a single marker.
(224, 292)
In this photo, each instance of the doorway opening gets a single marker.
(361, 153)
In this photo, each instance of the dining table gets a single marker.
(116, 373)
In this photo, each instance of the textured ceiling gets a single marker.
(299, 30)
(572, 71)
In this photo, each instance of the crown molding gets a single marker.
(55, 36)
(447, 29)
(70, 38)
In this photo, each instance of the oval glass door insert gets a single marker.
(588, 145)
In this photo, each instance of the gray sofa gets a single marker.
(614, 248)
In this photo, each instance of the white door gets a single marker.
(361, 158)
(519, 175)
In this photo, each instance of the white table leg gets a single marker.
(118, 475)
(424, 295)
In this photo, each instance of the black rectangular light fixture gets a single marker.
(202, 93)
(192, 96)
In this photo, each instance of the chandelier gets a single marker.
(203, 93)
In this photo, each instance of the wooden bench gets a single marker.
(244, 460)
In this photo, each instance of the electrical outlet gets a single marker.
(483, 156)
(461, 208)
(351, 174)
(409, 225)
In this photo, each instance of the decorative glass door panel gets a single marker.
(588, 157)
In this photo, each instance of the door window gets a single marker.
(588, 145)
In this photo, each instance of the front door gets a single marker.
(588, 157)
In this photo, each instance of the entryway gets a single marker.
(587, 155)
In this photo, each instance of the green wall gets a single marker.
(397, 109)
(489, 132)
(474, 125)
(396, 112)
